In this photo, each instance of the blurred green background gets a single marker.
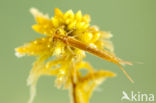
(132, 23)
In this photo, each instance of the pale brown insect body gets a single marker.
(93, 50)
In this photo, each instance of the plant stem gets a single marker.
(74, 92)
(73, 83)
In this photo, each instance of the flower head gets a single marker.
(68, 24)
(67, 37)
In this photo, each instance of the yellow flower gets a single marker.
(68, 24)
(67, 37)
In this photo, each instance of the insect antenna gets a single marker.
(129, 78)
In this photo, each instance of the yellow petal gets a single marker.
(69, 14)
(38, 47)
(58, 12)
(86, 18)
(44, 29)
(107, 35)
(96, 36)
(78, 15)
(38, 28)
(43, 21)
(55, 22)
(86, 37)
(97, 75)
(36, 13)
(71, 25)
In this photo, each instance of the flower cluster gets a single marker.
(67, 60)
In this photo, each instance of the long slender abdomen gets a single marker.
(93, 50)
